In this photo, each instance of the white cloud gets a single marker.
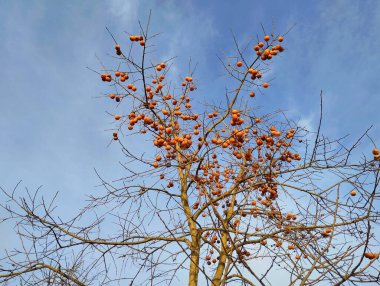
(126, 11)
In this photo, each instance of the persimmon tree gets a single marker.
(212, 195)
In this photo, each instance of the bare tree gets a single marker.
(225, 196)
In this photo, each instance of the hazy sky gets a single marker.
(53, 125)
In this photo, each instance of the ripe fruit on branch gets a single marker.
(123, 77)
(376, 154)
(326, 232)
(106, 77)
(135, 38)
(118, 49)
(371, 256)
(253, 71)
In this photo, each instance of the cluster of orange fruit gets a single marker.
(266, 52)
(242, 254)
(235, 140)
(254, 73)
(138, 38)
(235, 118)
(208, 257)
(270, 50)
(376, 154)
(106, 77)
(122, 75)
(116, 97)
(118, 49)
(274, 131)
(371, 255)
(131, 87)
(160, 66)
(290, 216)
(326, 232)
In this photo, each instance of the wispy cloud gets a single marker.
(127, 12)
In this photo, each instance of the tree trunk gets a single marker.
(216, 281)
(194, 262)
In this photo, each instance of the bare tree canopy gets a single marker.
(212, 194)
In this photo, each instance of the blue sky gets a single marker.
(52, 123)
